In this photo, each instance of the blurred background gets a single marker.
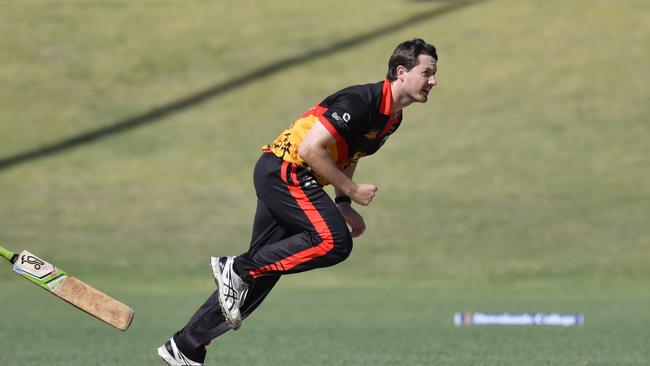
(129, 132)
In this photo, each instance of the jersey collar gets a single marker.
(386, 99)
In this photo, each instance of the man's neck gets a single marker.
(399, 101)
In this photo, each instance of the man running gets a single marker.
(297, 226)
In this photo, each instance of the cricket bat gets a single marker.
(70, 289)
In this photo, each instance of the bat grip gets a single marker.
(8, 255)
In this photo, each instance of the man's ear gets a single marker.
(401, 70)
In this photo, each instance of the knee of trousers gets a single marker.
(342, 245)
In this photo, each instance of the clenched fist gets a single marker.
(363, 193)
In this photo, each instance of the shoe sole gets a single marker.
(216, 273)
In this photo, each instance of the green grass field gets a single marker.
(522, 186)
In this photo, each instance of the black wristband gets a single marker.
(342, 199)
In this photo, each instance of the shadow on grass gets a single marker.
(159, 113)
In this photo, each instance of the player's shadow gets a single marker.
(158, 113)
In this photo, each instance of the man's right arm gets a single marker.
(313, 150)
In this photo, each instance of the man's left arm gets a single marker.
(352, 217)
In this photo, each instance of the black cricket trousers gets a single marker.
(297, 228)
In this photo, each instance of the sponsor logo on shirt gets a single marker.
(342, 121)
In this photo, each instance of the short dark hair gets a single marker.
(406, 54)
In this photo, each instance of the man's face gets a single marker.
(420, 79)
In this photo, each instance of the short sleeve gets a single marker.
(347, 114)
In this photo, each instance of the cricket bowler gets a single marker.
(297, 226)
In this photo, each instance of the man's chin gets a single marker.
(419, 98)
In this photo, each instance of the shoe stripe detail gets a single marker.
(231, 292)
(170, 349)
(176, 355)
(324, 247)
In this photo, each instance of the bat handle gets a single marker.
(8, 254)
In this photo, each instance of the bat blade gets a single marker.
(70, 289)
(95, 302)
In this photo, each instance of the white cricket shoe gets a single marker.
(232, 289)
(170, 353)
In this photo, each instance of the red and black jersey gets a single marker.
(358, 117)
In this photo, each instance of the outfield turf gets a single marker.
(522, 186)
